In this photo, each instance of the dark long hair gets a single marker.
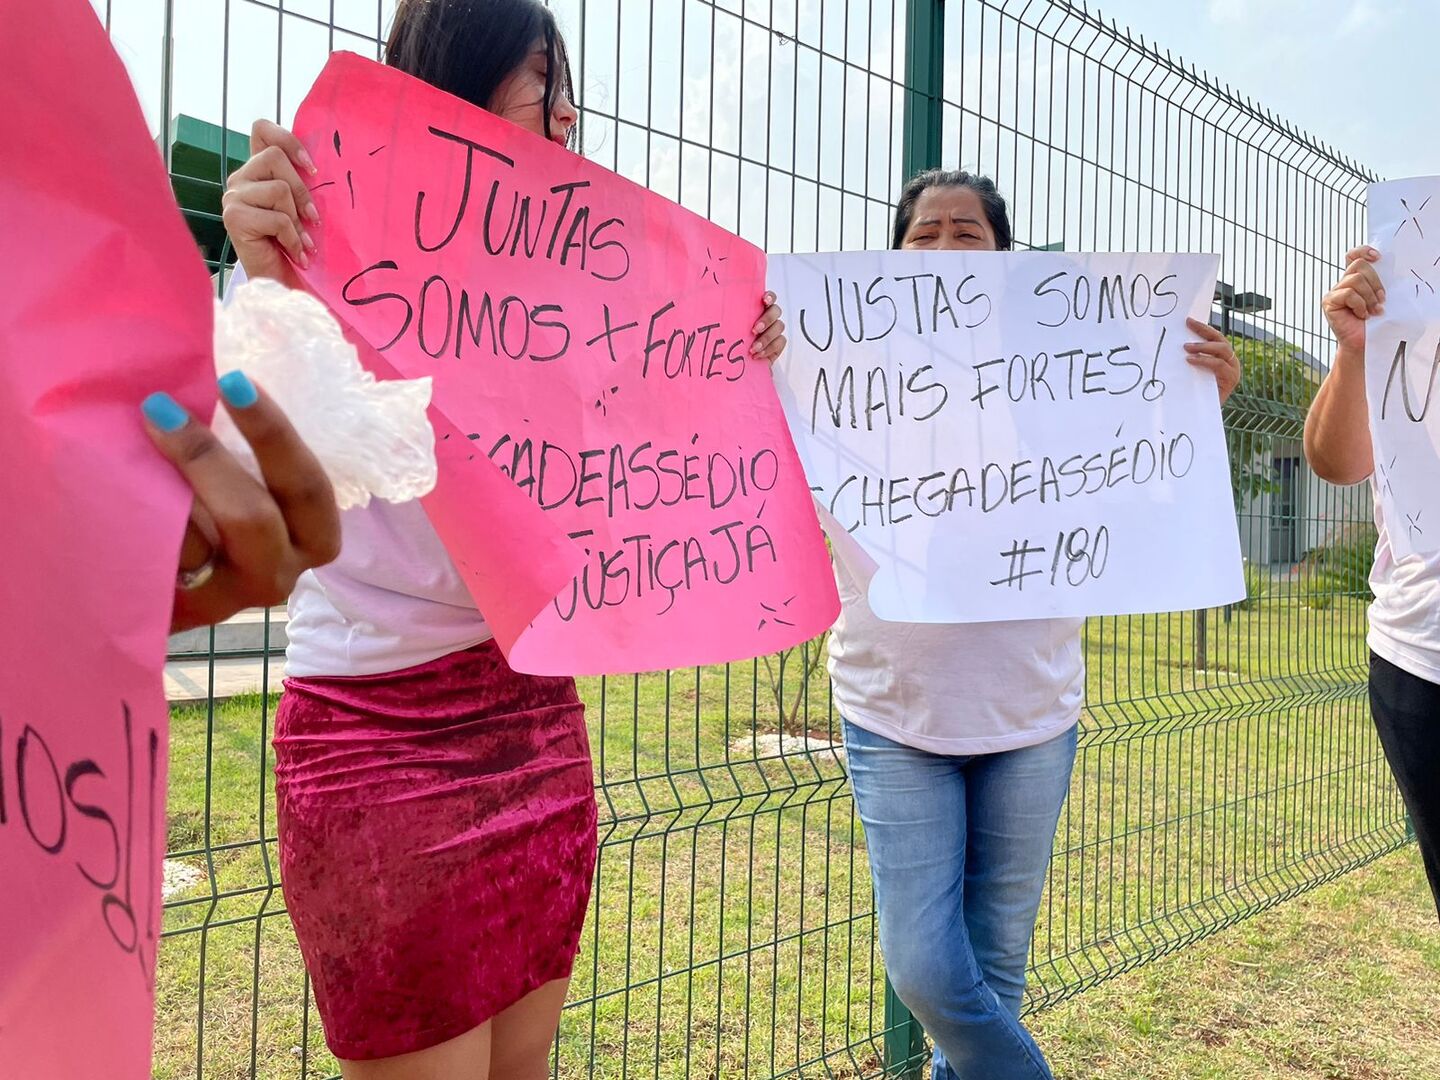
(990, 198)
(468, 47)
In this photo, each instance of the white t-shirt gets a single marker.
(1405, 617)
(392, 599)
(976, 688)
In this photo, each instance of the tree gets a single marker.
(801, 664)
(1277, 385)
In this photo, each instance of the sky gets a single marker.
(1360, 75)
(797, 147)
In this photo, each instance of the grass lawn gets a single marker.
(732, 927)
(1337, 985)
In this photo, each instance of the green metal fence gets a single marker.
(1226, 758)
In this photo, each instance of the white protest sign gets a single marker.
(1402, 359)
(1011, 436)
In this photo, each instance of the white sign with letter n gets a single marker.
(1402, 360)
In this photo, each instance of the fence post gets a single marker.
(904, 1039)
(924, 85)
(924, 94)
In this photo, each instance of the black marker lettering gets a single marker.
(471, 148)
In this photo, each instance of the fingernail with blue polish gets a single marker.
(239, 391)
(164, 412)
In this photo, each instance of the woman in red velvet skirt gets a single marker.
(436, 809)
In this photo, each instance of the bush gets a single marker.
(1341, 567)
(1317, 589)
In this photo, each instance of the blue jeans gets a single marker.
(959, 848)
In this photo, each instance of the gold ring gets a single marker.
(187, 580)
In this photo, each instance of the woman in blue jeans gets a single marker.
(961, 739)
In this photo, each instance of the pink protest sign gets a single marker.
(102, 300)
(590, 340)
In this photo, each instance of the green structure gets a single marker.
(202, 156)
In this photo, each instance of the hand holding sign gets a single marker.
(266, 206)
(1357, 296)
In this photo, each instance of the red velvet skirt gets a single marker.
(437, 842)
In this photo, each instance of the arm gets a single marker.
(1337, 429)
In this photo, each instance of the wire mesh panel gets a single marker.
(1226, 757)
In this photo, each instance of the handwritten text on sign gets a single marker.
(1402, 361)
(592, 341)
(104, 299)
(1011, 436)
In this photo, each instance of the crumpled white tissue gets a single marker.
(372, 437)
